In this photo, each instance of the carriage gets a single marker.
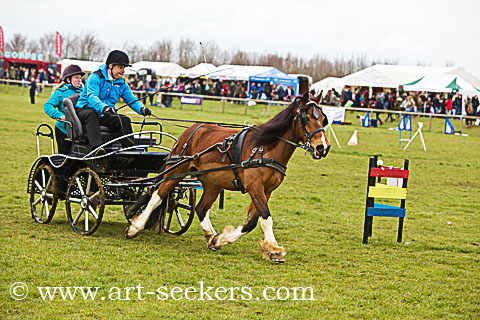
(87, 182)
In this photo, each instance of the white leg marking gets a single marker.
(206, 225)
(138, 223)
(229, 235)
(267, 227)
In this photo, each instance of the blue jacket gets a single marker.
(100, 93)
(54, 105)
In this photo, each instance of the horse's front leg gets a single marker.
(269, 246)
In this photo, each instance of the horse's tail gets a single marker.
(142, 201)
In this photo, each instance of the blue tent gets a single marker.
(275, 76)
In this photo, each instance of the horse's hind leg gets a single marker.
(230, 234)
(210, 194)
(138, 222)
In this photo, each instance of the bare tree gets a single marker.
(47, 45)
(17, 43)
(186, 53)
(449, 63)
(159, 51)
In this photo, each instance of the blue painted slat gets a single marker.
(385, 206)
(394, 212)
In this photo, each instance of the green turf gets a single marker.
(318, 217)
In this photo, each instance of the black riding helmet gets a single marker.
(72, 70)
(118, 57)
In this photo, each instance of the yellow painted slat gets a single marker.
(387, 192)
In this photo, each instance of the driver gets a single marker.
(96, 105)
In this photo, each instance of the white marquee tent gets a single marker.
(162, 69)
(199, 70)
(393, 76)
(442, 83)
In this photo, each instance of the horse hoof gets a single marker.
(212, 245)
(277, 257)
(129, 234)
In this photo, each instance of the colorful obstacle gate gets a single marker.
(395, 189)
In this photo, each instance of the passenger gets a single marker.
(71, 84)
(96, 105)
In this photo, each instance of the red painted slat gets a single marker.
(389, 172)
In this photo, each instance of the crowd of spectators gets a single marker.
(210, 87)
(420, 102)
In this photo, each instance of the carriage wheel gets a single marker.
(180, 210)
(85, 201)
(43, 194)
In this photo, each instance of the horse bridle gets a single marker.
(303, 121)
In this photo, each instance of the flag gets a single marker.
(1, 40)
(449, 129)
(366, 120)
(408, 123)
(59, 45)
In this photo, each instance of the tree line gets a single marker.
(187, 53)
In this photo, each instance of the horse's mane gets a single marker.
(266, 133)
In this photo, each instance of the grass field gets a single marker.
(318, 217)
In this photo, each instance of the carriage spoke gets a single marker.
(38, 186)
(41, 209)
(169, 221)
(184, 206)
(94, 214)
(78, 216)
(86, 221)
(89, 183)
(37, 201)
(47, 211)
(49, 183)
(79, 186)
(74, 200)
(179, 218)
(43, 178)
(95, 195)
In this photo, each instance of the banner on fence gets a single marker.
(191, 100)
(334, 115)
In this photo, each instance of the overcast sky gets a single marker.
(410, 32)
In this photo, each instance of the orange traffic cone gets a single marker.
(353, 140)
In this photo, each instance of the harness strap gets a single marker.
(188, 140)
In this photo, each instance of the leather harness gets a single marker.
(232, 147)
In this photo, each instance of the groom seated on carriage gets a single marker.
(96, 104)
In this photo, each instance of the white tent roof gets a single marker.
(439, 83)
(235, 72)
(199, 70)
(392, 76)
(162, 69)
(88, 66)
(328, 83)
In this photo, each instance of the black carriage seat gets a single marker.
(77, 132)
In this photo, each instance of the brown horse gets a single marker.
(302, 121)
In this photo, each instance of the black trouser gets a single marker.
(63, 146)
(32, 96)
(117, 123)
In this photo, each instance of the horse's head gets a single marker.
(312, 125)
